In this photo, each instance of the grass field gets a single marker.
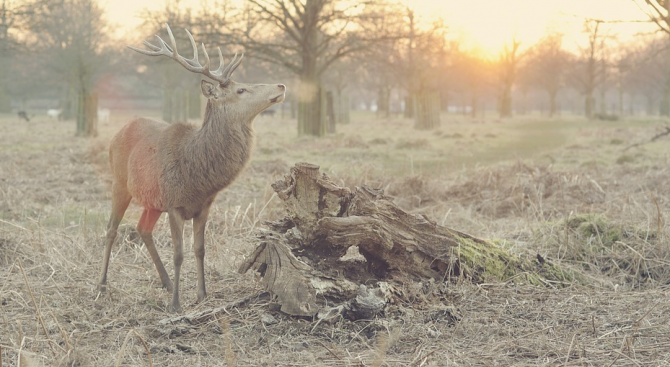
(566, 189)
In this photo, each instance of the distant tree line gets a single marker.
(334, 55)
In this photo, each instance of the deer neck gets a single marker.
(222, 147)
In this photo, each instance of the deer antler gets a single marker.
(221, 75)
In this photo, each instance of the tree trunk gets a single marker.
(5, 62)
(68, 100)
(589, 105)
(342, 107)
(650, 104)
(87, 114)
(474, 104)
(5, 96)
(330, 111)
(293, 109)
(426, 110)
(621, 108)
(664, 108)
(409, 106)
(552, 103)
(506, 101)
(311, 107)
(5, 100)
(384, 102)
(91, 113)
(303, 255)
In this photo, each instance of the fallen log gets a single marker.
(349, 251)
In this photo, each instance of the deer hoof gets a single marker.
(174, 308)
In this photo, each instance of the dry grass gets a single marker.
(575, 201)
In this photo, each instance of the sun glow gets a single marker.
(488, 25)
(481, 25)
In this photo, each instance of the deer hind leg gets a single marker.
(145, 228)
(177, 229)
(199, 222)
(120, 200)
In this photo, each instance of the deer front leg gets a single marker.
(199, 222)
(177, 230)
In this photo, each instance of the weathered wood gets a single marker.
(301, 258)
(284, 275)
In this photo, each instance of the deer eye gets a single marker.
(241, 90)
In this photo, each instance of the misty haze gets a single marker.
(358, 183)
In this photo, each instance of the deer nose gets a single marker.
(282, 86)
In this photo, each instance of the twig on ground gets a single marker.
(37, 309)
(197, 316)
(325, 347)
(567, 356)
(68, 346)
(655, 137)
(123, 347)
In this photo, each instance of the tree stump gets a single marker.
(352, 249)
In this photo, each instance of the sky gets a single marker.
(482, 25)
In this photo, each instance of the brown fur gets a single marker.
(180, 168)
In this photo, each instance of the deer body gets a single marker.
(180, 168)
(178, 165)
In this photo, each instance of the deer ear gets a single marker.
(208, 89)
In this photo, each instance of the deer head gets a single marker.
(242, 101)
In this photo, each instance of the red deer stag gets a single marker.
(179, 168)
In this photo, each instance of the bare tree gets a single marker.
(411, 60)
(12, 14)
(508, 64)
(546, 66)
(306, 37)
(645, 65)
(425, 55)
(658, 11)
(590, 69)
(471, 75)
(73, 33)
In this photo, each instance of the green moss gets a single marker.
(597, 226)
(492, 262)
(485, 261)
